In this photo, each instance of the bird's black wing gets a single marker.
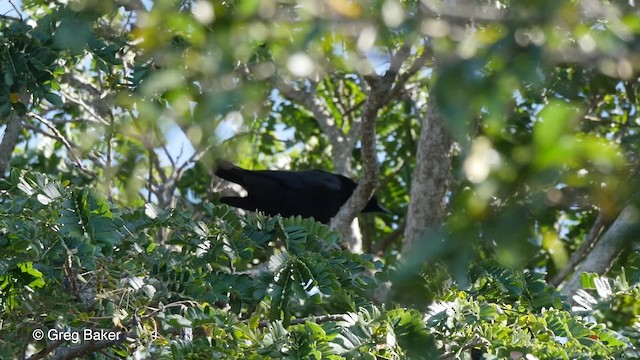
(313, 180)
(299, 180)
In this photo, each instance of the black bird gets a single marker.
(310, 193)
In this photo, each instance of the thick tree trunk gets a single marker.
(430, 180)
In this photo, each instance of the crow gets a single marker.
(311, 193)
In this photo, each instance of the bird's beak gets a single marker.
(382, 209)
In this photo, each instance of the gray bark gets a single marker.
(430, 180)
(381, 88)
(603, 254)
(367, 185)
(9, 140)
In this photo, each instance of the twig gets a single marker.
(16, 9)
(107, 355)
(88, 347)
(7, 17)
(315, 319)
(418, 64)
(172, 161)
(58, 136)
(94, 346)
(173, 304)
(454, 355)
(382, 245)
(341, 144)
(589, 241)
(44, 352)
(87, 108)
(108, 172)
(150, 184)
(256, 133)
(192, 160)
(314, 104)
(464, 12)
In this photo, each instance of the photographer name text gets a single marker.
(76, 336)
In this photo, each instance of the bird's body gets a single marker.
(311, 193)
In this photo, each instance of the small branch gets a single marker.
(353, 108)
(381, 246)
(97, 346)
(455, 355)
(16, 9)
(310, 101)
(179, 303)
(396, 62)
(150, 181)
(108, 169)
(315, 319)
(44, 352)
(418, 64)
(464, 12)
(587, 245)
(172, 161)
(156, 162)
(77, 82)
(87, 348)
(87, 108)
(192, 160)
(11, 18)
(58, 136)
(380, 89)
(341, 146)
(256, 133)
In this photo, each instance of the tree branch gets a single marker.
(341, 145)
(310, 101)
(418, 64)
(607, 248)
(87, 108)
(587, 245)
(11, 18)
(380, 87)
(9, 140)
(58, 136)
(94, 346)
(44, 352)
(455, 355)
(314, 319)
(463, 12)
(15, 8)
(86, 348)
(382, 245)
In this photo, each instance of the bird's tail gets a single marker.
(229, 172)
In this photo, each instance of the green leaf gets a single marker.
(54, 99)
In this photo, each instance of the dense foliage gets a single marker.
(73, 261)
(115, 111)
